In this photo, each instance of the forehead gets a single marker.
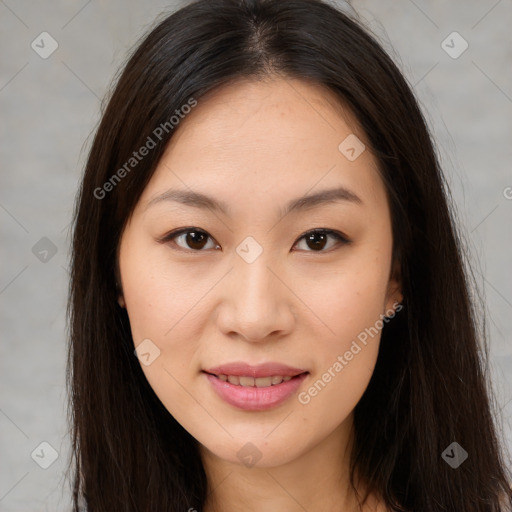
(271, 140)
(248, 112)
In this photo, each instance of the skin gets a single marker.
(257, 145)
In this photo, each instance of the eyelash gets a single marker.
(174, 234)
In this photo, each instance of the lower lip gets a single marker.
(251, 398)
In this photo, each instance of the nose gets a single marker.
(257, 303)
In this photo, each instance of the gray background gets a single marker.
(49, 108)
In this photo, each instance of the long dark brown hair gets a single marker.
(430, 387)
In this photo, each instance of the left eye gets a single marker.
(196, 239)
(317, 239)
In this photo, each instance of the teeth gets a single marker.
(263, 382)
(246, 381)
(276, 380)
(259, 382)
(234, 379)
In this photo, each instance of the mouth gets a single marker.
(255, 382)
(255, 388)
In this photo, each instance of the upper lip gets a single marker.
(260, 370)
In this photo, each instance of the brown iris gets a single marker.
(196, 239)
(316, 241)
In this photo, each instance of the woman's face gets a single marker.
(248, 285)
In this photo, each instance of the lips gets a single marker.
(257, 387)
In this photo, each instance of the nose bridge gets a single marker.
(254, 284)
(257, 304)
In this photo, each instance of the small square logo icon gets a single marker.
(454, 455)
(44, 455)
(44, 45)
(44, 250)
(249, 455)
(351, 147)
(147, 352)
(454, 45)
(249, 250)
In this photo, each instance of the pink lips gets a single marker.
(255, 398)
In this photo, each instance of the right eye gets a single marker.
(189, 239)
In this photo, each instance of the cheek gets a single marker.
(349, 299)
(349, 306)
(162, 310)
(164, 306)
(160, 298)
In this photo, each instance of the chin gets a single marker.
(257, 452)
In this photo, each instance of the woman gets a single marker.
(269, 308)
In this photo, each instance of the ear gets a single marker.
(120, 295)
(394, 294)
(119, 288)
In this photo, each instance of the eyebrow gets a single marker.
(203, 201)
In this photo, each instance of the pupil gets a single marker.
(195, 244)
(317, 244)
